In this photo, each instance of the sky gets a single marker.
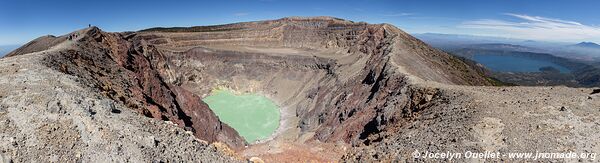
(545, 20)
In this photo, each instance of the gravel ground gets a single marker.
(496, 119)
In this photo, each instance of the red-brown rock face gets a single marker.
(126, 69)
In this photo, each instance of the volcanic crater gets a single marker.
(334, 80)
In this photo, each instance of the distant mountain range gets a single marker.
(587, 45)
(584, 51)
(504, 47)
(445, 41)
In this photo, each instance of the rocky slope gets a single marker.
(494, 119)
(47, 115)
(346, 90)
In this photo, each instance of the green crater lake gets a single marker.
(253, 116)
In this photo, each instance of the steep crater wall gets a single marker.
(343, 82)
(127, 71)
(309, 90)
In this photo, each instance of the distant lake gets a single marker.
(506, 63)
